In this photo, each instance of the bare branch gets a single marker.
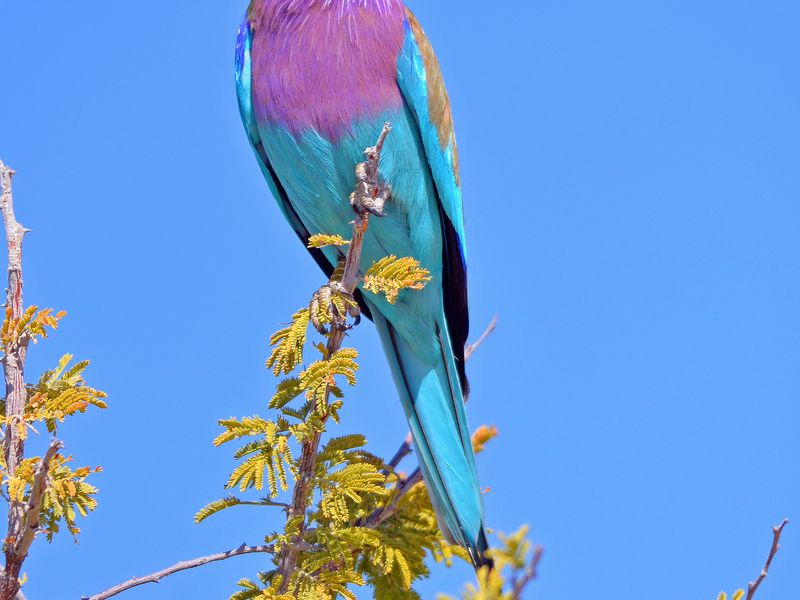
(368, 198)
(531, 573)
(380, 516)
(181, 566)
(403, 451)
(16, 394)
(776, 538)
(34, 509)
(14, 357)
(405, 448)
(471, 348)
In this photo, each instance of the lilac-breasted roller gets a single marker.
(316, 81)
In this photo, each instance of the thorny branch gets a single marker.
(178, 567)
(776, 538)
(14, 358)
(23, 521)
(368, 198)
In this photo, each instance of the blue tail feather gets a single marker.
(433, 402)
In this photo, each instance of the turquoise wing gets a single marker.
(420, 80)
(243, 73)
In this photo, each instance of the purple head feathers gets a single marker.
(323, 64)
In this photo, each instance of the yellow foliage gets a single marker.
(32, 324)
(66, 496)
(512, 561)
(61, 393)
(322, 240)
(737, 595)
(288, 344)
(390, 275)
(321, 375)
(359, 530)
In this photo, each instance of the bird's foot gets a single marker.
(369, 197)
(332, 305)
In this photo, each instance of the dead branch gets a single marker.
(181, 566)
(471, 348)
(776, 538)
(380, 516)
(14, 358)
(16, 394)
(531, 572)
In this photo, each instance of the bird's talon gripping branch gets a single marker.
(332, 304)
(370, 196)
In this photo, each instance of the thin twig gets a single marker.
(471, 348)
(34, 509)
(405, 448)
(263, 503)
(531, 573)
(369, 198)
(16, 394)
(181, 566)
(403, 451)
(776, 538)
(380, 516)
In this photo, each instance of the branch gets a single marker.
(405, 448)
(380, 516)
(531, 573)
(368, 198)
(471, 348)
(776, 538)
(14, 356)
(13, 361)
(34, 510)
(178, 567)
(403, 451)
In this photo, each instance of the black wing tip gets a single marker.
(478, 554)
(456, 301)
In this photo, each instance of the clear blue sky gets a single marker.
(633, 206)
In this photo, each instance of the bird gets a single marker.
(316, 80)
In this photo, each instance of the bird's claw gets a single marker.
(369, 198)
(332, 304)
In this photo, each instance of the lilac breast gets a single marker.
(324, 64)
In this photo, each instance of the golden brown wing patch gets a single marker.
(438, 100)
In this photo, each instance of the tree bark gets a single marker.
(16, 394)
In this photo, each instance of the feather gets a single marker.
(422, 85)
